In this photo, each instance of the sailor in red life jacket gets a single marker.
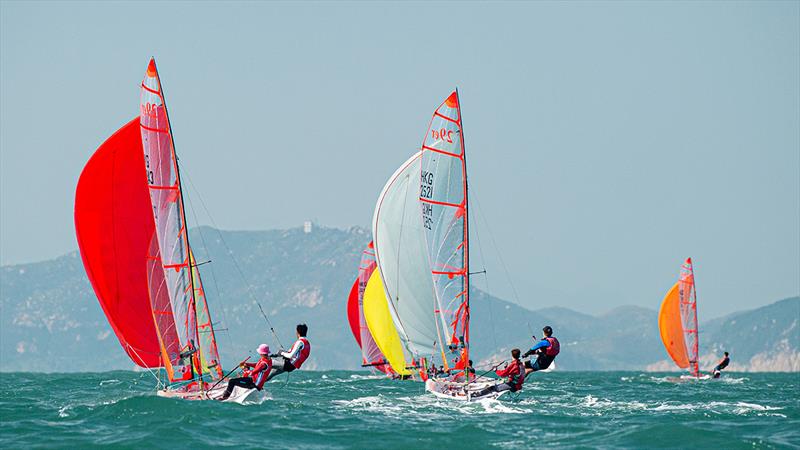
(547, 349)
(296, 356)
(515, 373)
(255, 377)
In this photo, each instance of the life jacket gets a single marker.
(260, 376)
(518, 379)
(301, 356)
(554, 348)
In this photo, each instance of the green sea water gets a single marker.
(339, 409)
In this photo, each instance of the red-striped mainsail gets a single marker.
(443, 199)
(188, 344)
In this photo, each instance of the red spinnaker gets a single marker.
(353, 313)
(114, 226)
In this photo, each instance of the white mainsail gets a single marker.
(402, 257)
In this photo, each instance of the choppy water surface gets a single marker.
(340, 409)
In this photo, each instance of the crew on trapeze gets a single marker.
(723, 363)
(253, 378)
(515, 371)
(296, 356)
(547, 349)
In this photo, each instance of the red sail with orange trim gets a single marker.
(443, 199)
(677, 321)
(114, 226)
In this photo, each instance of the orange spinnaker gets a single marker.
(671, 327)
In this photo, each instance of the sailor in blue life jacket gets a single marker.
(547, 350)
(723, 363)
(296, 356)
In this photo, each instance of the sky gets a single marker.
(606, 142)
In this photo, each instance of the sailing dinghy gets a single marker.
(677, 322)
(133, 238)
(371, 355)
(421, 237)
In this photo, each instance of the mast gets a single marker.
(465, 261)
(696, 325)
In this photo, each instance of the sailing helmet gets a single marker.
(263, 349)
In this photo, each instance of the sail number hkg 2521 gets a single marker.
(426, 191)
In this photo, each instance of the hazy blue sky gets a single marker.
(606, 141)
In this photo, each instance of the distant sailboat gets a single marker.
(133, 238)
(677, 321)
(421, 236)
(371, 355)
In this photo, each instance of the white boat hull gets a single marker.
(458, 390)
(239, 395)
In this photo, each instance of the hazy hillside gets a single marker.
(52, 321)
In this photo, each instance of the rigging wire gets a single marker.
(236, 264)
(205, 245)
(485, 273)
(499, 255)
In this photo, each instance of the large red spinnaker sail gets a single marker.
(114, 226)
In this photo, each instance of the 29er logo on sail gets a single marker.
(426, 191)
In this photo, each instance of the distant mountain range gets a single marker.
(51, 320)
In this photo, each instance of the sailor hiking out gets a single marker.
(723, 363)
(296, 356)
(547, 349)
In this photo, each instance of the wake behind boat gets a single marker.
(475, 390)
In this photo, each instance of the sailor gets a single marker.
(296, 356)
(547, 349)
(723, 363)
(255, 377)
(515, 373)
(470, 369)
